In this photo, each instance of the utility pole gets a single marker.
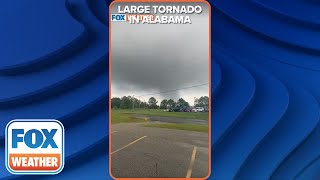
(133, 103)
(139, 102)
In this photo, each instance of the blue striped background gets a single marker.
(266, 93)
(54, 64)
(265, 84)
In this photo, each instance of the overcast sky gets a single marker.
(152, 58)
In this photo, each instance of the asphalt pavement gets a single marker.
(144, 152)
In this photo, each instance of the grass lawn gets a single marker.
(160, 112)
(120, 117)
(187, 127)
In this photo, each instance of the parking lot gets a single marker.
(139, 151)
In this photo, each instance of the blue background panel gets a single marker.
(37, 32)
(54, 64)
(277, 44)
(265, 84)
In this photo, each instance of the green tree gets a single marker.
(153, 103)
(126, 102)
(115, 102)
(203, 101)
(181, 103)
(144, 105)
(137, 102)
(163, 104)
(170, 104)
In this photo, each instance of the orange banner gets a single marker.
(34, 162)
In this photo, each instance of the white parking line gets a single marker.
(113, 132)
(128, 144)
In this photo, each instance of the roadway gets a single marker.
(139, 151)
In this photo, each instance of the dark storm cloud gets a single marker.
(155, 58)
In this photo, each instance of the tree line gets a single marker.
(129, 102)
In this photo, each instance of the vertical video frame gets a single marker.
(159, 89)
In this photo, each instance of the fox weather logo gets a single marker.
(34, 146)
